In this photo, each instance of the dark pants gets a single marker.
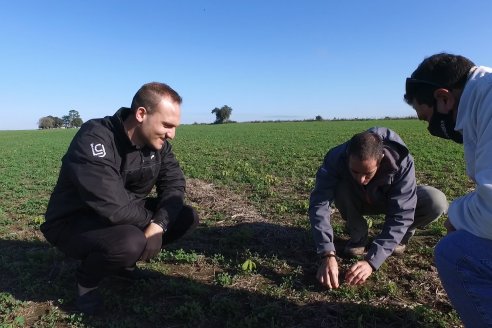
(104, 249)
(431, 204)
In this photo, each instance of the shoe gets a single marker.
(354, 249)
(136, 274)
(409, 234)
(399, 249)
(90, 303)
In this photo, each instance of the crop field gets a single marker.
(251, 261)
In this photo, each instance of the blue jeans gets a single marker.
(464, 263)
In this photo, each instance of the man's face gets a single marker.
(441, 117)
(424, 112)
(363, 171)
(155, 128)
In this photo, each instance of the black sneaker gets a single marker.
(136, 274)
(90, 303)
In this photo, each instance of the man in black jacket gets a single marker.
(99, 211)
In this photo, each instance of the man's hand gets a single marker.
(449, 227)
(153, 233)
(327, 273)
(358, 273)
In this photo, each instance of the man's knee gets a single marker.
(189, 217)
(432, 201)
(131, 245)
(184, 224)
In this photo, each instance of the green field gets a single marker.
(250, 184)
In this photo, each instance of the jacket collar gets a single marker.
(117, 120)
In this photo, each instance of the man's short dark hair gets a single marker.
(442, 70)
(150, 94)
(366, 145)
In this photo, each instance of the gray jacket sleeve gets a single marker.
(321, 198)
(401, 204)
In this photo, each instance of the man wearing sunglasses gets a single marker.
(455, 97)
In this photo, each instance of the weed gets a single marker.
(177, 256)
(218, 259)
(8, 305)
(223, 279)
(425, 250)
(437, 228)
(338, 229)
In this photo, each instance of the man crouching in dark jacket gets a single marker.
(373, 173)
(99, 211)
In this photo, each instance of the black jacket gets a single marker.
(104, 177)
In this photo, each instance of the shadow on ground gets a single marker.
(36, 272)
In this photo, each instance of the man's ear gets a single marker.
(445, 100)
(140, 114)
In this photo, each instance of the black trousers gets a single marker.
(105, 249)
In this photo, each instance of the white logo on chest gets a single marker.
(98, 150)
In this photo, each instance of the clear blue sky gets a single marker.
(267, 59)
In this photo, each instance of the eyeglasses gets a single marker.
(411, 80)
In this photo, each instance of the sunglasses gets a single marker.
(410, 81)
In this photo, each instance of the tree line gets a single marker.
(222, 115)
(72, 120)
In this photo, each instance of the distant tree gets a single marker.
(319, 118)
(69, 121)
(57, 122)
(73, 114)
(46, 123)
(222, 114)
(66, 121)
(77, 122)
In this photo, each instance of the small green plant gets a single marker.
(75, 319)
(8, 305)
(50, 318)
(425, 250)
(346, 292)
(218, 259)
(338, 228)
(177, 256)
(223, 279)
(437, 228)
(391, 288)
(248, 266)
(38, 220)
(433, 317)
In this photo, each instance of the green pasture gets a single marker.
(231, 272)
